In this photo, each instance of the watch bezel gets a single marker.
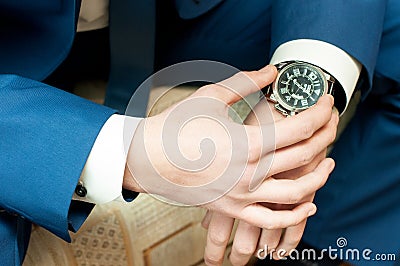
(282, 71)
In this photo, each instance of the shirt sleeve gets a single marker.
(344, 68)
(103, 173)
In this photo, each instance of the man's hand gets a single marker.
(249, 239)
(194, 154)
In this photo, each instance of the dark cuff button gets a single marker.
(80, 190)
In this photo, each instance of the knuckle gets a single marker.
(244, 250)
(297, 219)
(294, 197)
(306, 129)
(306, 156)
(267, 226)
(270, 225)
(241, 197)
(218, 239)
(295, 191)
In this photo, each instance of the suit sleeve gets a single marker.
(355, 26)
(46, 136)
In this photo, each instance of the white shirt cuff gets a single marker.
(103, 173)
(344, 68)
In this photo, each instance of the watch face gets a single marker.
(299, 86)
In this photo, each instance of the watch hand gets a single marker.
(304, 89)
(298, 84)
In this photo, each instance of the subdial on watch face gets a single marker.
(299, 86)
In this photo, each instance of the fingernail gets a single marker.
(330, 160)
(266, 69)
(335, 110)
(312, 212)
(331, 164)
(332, 100)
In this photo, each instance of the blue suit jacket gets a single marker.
(47, 134)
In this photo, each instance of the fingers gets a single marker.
(290, 239)
(269, 240)
(304, 152)
(244, 244)
(297, 129)
(263, 217)
(288, 191)
(239, 85)
(303, 125)
(206, 220)
(219, 232)
(302, 170)
(292, 236)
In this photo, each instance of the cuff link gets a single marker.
(80, 190)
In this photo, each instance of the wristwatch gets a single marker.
(298, 86)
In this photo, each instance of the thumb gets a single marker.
(240, 85)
